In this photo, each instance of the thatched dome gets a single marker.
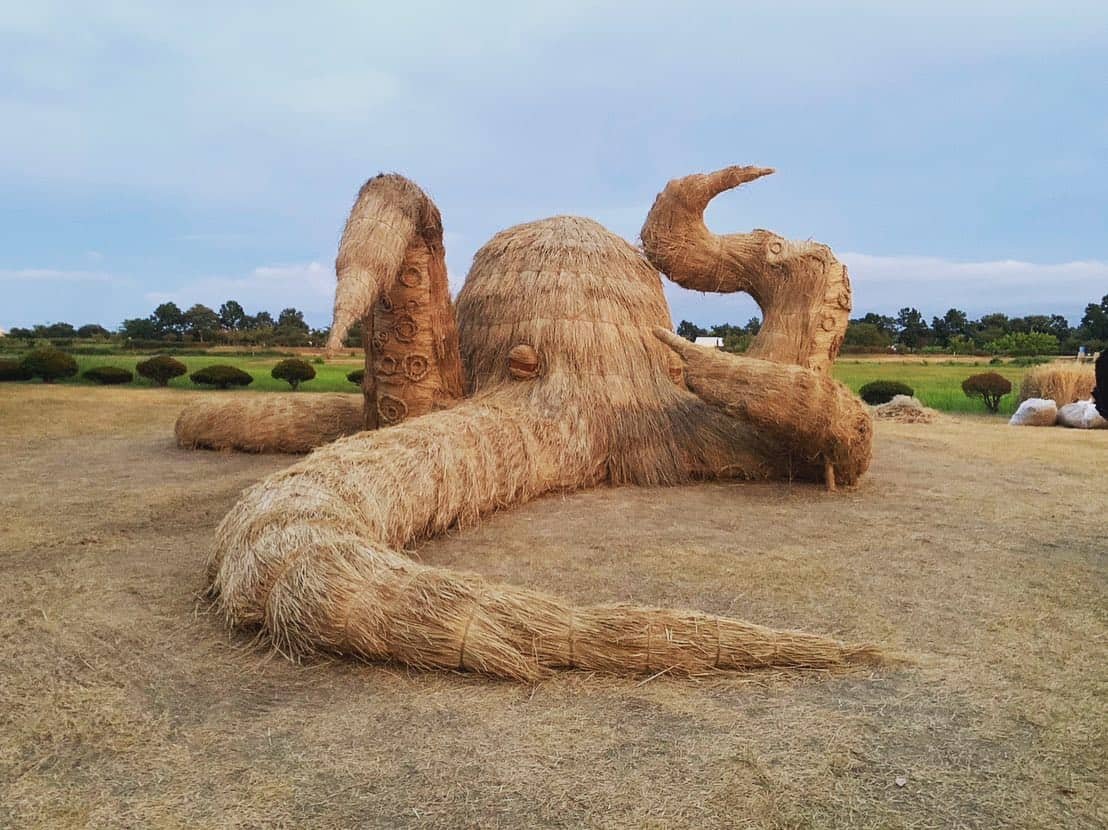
(582, 297)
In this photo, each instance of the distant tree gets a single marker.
(201, 322)
(232, 316)
(92, 330)
(960, 344)
(27, 335)
(912, 330)
(989, 386)
(1025, 344)
(954, 323)
(59, 331)
(737, 340)
(353, 337)
(866, 336)
(139, 328)
(263, 319)
(995, 321)
(168, 319)
(690, 331)
(753, 325)
(290, 318)
(1095, 319)
(882, 321)
(725, 330)
(1059, 326)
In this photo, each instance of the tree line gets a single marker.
(909, 331)
(231, 325)
(953, 333)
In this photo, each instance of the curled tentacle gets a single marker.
(803, 291)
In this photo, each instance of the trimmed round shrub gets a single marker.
(989, 386)
(13, 370)
(294, 370)
(882, 391)
(109, 375)
(161, 369)
(221, 377)
(49, 364)
(356, 377)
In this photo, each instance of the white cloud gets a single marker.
(885, 284)
(54, 275)
(934, 284)
(308, 286)
(988, 272)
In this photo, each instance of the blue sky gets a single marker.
(953, 154)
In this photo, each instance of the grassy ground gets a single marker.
(330, 375)
(937, 381)
(975, 549)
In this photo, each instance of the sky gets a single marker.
(952, 154)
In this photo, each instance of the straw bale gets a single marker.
(1060, 382)
(274, 422)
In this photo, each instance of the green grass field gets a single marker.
(329, 377)
(937, 382)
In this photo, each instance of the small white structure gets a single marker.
(709, 342)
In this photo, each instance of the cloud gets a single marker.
(308, 286)
(886, 284)
(908, 268)
(934, 284)
(55, 275)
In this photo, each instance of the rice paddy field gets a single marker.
(936, 381)
(971, 550)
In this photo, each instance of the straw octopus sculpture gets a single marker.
(556, 370)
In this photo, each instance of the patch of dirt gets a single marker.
(975, 549)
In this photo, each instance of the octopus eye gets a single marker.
(523, 362)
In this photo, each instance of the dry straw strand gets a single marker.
(1061, 383)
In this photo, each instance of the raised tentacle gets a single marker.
(803, 291)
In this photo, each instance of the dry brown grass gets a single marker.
(976, 549)
(1060, 382)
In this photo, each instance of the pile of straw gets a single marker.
(287, 422)
(1062, 383)
(905, 409)
(575, 380)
